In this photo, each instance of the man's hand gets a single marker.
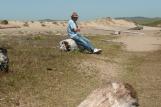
(77, 30)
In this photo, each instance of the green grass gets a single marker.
(110, 49)
(42, 76)
(146, 21)
(154, 22)
(130, 66)
(143, 71)
(149, 22)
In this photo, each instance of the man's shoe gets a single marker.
(97, 51)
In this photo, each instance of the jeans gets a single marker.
(83, 41)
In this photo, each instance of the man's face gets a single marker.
(75, 18)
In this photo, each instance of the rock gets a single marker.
(116, 94)
(4, 61)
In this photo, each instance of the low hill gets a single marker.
(155, 22)
(108, 21)
(61, 24)
(52, 20)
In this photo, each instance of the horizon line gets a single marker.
(55, 19)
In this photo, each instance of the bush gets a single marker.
(56, 23)
(26, 24)
(32, 21)
(43, 25)
(4, 22)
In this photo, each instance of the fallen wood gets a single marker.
(133, 32)
(8, 27)
(116, 32)
(138, 27)
(112, 42)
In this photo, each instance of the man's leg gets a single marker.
(95, 50)
(80, 40)
(87, 41)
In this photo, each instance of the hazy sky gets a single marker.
(87, 9)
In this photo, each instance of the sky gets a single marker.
(87, 9)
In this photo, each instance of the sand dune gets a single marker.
(62, 24)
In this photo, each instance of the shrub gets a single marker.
(4, 22)
(32, 21)
(43, 25)
(56, 23)
(26, 24)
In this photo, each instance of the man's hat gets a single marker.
(74, 14)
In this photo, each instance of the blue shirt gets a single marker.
(70, 28)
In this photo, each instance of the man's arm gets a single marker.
(74, 27)
(77, 30)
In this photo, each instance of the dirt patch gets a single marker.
(106, 71)
(141, 43)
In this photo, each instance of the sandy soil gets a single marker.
(147, 42)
